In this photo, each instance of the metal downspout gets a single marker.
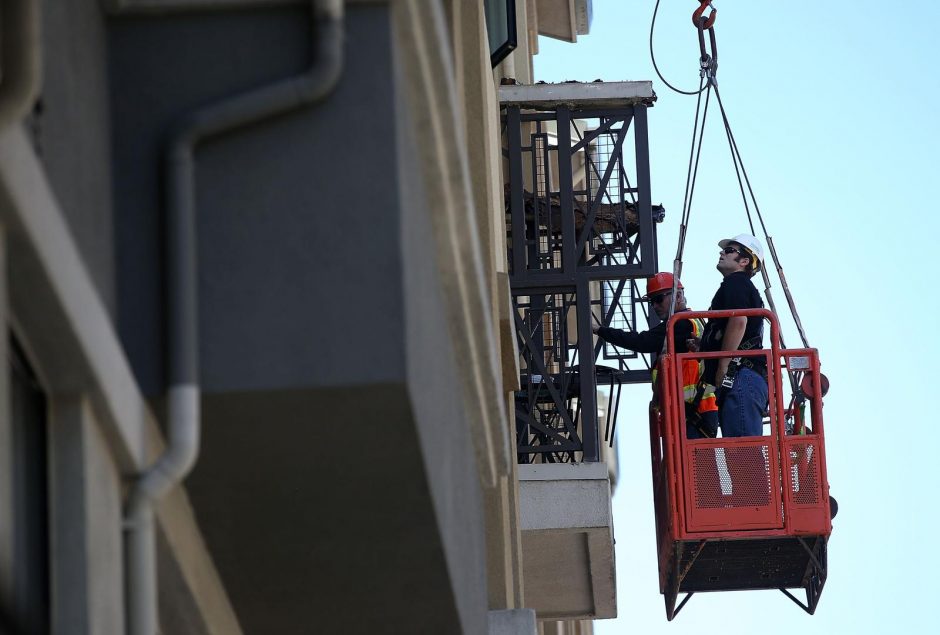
(20, 55)
(182, 337)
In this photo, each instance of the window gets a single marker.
(30, 496)
(501, 28)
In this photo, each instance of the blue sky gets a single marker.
(836, 109)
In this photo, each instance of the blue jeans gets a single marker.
(742, 408)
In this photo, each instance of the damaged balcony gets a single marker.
(580, 232)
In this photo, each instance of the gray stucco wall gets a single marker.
(337, 484)
(71, 131)
(291, 231)
(161, 69)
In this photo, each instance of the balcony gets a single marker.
(567, 540)
(580, 229)
(564, 19)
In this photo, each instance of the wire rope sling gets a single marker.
(701, 516)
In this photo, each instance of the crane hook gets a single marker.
(708, 22)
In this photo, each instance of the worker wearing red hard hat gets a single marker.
(702, 419)
(742, 382)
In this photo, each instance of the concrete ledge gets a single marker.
(564, 19)
(513, 622)
(562, 471)
(567, 540)
(578, 94)
(584, 488)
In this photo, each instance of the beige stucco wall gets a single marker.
(479, 116)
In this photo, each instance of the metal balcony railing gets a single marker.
(580, 229)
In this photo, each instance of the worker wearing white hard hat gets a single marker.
(748, 243)
(742, 385)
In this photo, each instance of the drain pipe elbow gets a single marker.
(170, 468)
(328, 61)
(180, 454)
(20, 46)
(306, 89)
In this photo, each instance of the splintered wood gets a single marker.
(609, 218)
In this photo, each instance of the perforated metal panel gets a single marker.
(716, 487)
(730, 484)
(804, 473)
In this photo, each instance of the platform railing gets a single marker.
(742, 513)
(733, 486)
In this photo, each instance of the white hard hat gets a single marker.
(748, 242)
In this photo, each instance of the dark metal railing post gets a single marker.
(565, 191)
(588, 393)
(516, 185)
(647, 239)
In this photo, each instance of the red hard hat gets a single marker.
(662, 281)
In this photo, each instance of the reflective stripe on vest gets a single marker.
(692, 372)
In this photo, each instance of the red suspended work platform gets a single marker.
(743, 513)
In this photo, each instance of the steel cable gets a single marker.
(738, 162)
(656, 67)
(706, 84)
(695, 153)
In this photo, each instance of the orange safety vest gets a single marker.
(691, 374)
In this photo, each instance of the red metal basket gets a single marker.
(742, 513)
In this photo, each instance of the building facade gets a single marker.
(261, 245)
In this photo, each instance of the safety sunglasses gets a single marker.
(732, 250)
(656, 299)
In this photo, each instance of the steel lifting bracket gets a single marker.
(707, 60)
